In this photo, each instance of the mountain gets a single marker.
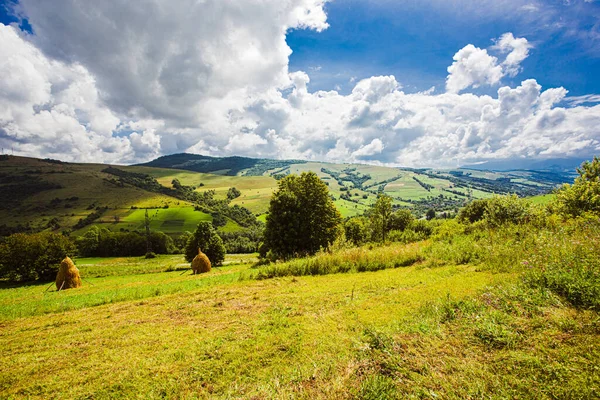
(559, 165)
(230, 166)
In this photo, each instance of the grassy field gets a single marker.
(448, 318)
(171, 220)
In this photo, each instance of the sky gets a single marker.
(418, 83)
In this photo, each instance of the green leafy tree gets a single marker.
(357, 230)
(430, 214)
(233, 193)
(302, 218)
(205, 238)
(584, 194)
(26, 257)
(380, 215)
(87, 244)
(400, 220)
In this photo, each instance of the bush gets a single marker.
(473, 212)
(31, 257)
(584, 195)
(400, 220)
(244, 241)
(357, 230)
(566, 262)
(507, 209)
(206, 239)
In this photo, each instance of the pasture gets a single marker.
(416, 329)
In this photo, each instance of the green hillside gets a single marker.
(355, 186)
(49, 194)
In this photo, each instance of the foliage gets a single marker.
(567, 263)
(302, 218)
(400, 220)
(474, 211)
(233, 193)
(500, 210)
(507, 209)
(358, 259)
(206, 239)
(357, 230)
(584, 194)
(242, 242)
(380, 215)
(430, 214)
(26, 257)
(100, 242)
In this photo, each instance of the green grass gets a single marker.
(170, 220)
(398, 321)
(542, 199)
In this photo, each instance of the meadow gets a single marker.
(468, 313)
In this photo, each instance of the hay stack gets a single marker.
(200, 263)
(68, 275)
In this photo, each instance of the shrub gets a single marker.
(400, 220)
(566, 263)
(507, 209)
(357, 230)
(584, 194)
(100, 242)
(30, 257)
(473, 212)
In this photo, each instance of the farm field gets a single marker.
(140, 328)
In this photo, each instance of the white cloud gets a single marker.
(517, 49)
(474, 67)
(122, 83)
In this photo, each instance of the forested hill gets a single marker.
(220, 165)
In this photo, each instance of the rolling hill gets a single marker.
(38, 194)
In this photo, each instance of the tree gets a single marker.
(584, 194)
(233, 193)
(400, 220)
(380, 214)
(205, 238)
(430, 214)
(29, 257)
(302, 218)
(357, 230)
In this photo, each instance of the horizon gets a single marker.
(417, 84)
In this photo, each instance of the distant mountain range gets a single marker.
(567, 165)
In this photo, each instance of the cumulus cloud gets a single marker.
(474, 67)
(517, 49)
(118, 82)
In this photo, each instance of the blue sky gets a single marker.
(127, 81)
(415, 40)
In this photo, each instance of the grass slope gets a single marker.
(215, 337)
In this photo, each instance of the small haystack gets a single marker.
(68, 275)
(200, 263)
